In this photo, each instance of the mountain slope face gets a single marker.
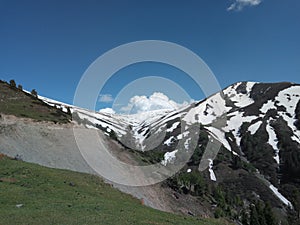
(244, 144)
(258, 157)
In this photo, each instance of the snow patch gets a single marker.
(206, 112)
(273, 141)
(169, 157)
(173, 127)
(235, 121)
(289, 98)
(91, 127)
(182, 135)
(220, 136)
(254, 127)
(169, 141)
(280, 196)
(267, 106)
(211, 172)
(186, 143)
(240, 99)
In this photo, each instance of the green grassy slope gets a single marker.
(52, 196)
(16, 102)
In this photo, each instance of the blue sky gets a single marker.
(48, 45)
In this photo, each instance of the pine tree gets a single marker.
(34, 93)
(268, 214)
(253, 216)
(244, 217)
(12, 83)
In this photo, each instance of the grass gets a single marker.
(53, 196)
(18, 103)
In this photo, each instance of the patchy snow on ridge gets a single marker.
(240, 99)
(169, 157)
(60, 105)
(289, 98)
(206, 112)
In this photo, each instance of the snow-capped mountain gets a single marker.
(249, 127)
(254, 105)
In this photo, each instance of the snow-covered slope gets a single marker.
(238, 104)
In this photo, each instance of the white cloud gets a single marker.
(105, 98)
(157, 100)
(107, 110)
(238, 5)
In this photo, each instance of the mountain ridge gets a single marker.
(257, 125)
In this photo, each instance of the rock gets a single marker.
(19, 205)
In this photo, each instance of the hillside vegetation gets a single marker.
(32, 194)
(14, 101)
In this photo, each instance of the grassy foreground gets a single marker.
(32, 194)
